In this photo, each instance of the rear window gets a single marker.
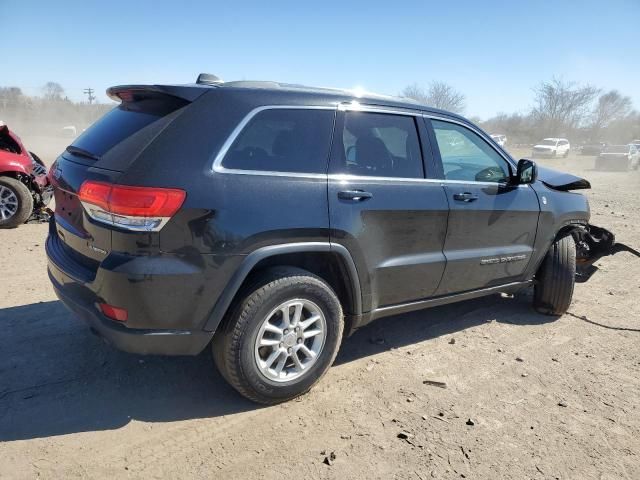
(122, 122)
(283, 140)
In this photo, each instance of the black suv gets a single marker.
(271, 220)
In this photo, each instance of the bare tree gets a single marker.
(624, 129)
(10, 96)
(611, 106)
(561, 106)
(415, 92)
(516, 126)
(53, 91)
(439, 95)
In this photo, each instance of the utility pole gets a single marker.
(89, 93)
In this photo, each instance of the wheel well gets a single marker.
(327, 265)
(576, 232)
(10, 174)
(333, 264)
(21, 177)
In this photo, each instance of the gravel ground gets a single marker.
(482, 389)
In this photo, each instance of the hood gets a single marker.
(561, 180)
(13, 156)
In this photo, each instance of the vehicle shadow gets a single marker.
(58, 378)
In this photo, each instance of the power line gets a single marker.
(89, 93)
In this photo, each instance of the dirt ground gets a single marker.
(526, 396)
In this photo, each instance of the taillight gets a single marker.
(114, 313)
(133, 208)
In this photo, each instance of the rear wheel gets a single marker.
(281, 337)
(16, 202)
(556, 277)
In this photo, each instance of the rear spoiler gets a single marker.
(131, 93)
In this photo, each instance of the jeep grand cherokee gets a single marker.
(270, 220)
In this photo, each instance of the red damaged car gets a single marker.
(24, 186)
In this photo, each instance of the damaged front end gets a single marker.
(593, 243)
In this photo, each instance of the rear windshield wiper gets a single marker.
(82, 152)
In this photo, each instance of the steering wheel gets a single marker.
(490, 174)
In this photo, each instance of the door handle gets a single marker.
(465, 197)
(355, 195)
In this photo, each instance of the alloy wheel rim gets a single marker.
(290, 340)
(8, 203)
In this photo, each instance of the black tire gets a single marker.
(233, 346)
(556, 277)
(24, 206)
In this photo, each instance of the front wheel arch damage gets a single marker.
(593, 243)
(38, 211)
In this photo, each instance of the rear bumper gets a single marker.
(154, 326)
(144, 342)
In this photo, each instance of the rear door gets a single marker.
(492, 224)
(382, 209)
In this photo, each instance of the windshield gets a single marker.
(548, 142)
(616, 149)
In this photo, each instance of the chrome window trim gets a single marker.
(345, 177)
(345, 107)
(358, 107)
(508, 159)
(217, 162)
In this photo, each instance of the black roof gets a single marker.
(338, 94)
(194, 90)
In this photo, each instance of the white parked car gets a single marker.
(500, 139)
(552, 147)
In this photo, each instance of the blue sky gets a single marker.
(493, 51)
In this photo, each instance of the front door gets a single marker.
(492, 223)
(383, 210)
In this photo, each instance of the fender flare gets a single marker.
(224, 301)
(13, 167)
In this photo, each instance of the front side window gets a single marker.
(379, 145)
(466, 156)
(283, 140)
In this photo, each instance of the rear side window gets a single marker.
(122, 122)
(283, 140)
(380, 145)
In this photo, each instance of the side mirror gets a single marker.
(527, 171)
